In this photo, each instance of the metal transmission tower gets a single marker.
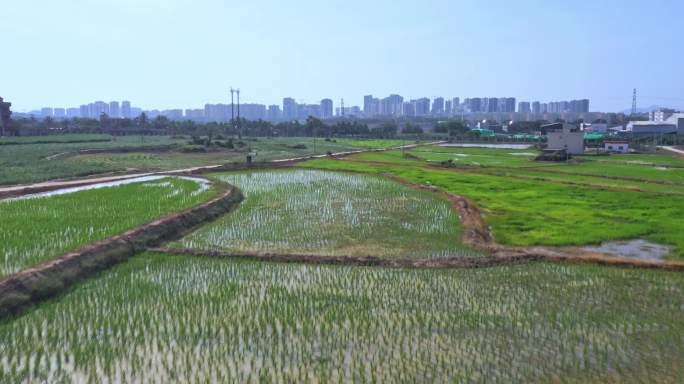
(634, 102)
(232, 111)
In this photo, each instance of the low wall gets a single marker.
(32, 285)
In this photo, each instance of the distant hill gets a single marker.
(646, 109)
(642, 110)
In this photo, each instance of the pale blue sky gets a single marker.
(184, 53)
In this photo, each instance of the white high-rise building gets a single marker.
(114, 111)
(126, 112)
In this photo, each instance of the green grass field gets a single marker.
(174, 318)
(27, 163)
(328, 213)
(549, 212)
(37, 229)
(67, 138)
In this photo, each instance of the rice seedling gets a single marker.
(529, 212)
(328, 213)
(160, 318)
(34, 230)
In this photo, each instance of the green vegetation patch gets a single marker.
(34, 230)
(28, 163)
(68, 138)
(330, 213)
(183, 319)
(532, 212)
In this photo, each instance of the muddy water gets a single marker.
(204, 185)
(637, 249)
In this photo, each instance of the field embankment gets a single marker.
(49, 278)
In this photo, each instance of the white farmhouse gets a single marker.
(616, 146)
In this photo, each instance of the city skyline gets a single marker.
(393, 105)
(447, 100)
(177, 53)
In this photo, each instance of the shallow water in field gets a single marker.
(500, 146)
(204, 185)
(637, 249)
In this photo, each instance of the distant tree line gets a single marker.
(242, 127)
(313, 126)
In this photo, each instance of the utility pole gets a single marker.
(238, 114)
(634, 102)
(232, 108)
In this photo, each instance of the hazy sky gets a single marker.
(185, 53)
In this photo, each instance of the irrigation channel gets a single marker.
(32, 285)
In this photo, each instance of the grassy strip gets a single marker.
(27, 163)
(53, 139)
(314, 212)
(36, 230)
(174, 318)
(529, 212)
(542, 175)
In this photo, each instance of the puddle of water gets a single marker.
(636, 249)
(501, 146)
(661, 168)
(204, 185)
(522, 154)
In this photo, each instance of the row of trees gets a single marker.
(162, 125)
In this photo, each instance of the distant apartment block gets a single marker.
(536, 107)
(126, 112)
(114, 110)
(46, 112)
(274, 113)
(524, 107)
(289, 109)
(438, 106)
(326, 108)
(59, 113)
(73, 113)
